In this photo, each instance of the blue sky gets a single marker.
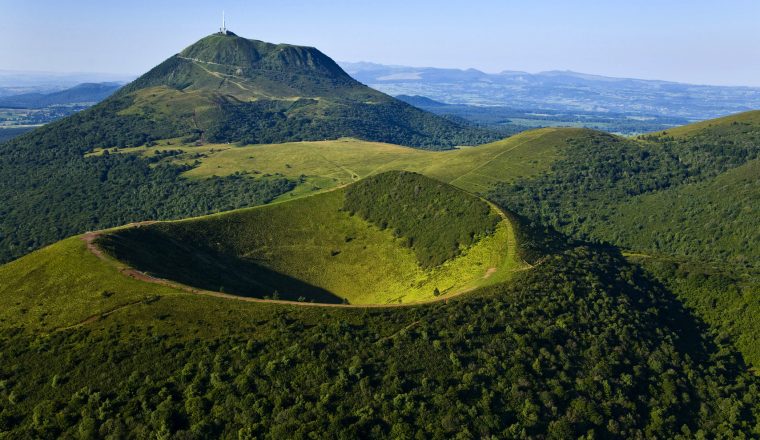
(689, 41)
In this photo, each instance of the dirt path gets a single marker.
(353, 176)
(98, 316)
(222, 76)
(391, 336)
(90, 236)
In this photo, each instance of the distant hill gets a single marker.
(509, 120)
(558, 91)
(87, 93)
(16, 82)
(225, 88)
(420, 101)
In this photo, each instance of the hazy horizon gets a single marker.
(687, 42)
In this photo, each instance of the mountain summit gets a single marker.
(249, 69)
(225, 88)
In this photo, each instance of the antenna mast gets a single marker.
(223, 29)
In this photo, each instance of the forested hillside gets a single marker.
(687, 195)
(685, 201)
(225, 88)
(583, 346)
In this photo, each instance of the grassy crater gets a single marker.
(442, 241)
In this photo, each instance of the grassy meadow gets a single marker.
(327, 164)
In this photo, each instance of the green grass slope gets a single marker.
(64, 284)
(314, 249)
(727, 125)
(438, 221)
(326, 164)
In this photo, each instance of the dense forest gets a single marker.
(685, 204)
(724, 296)
(272, 121)
(49, 195)
(437, 220)
(585, 345)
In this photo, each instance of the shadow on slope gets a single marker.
(425, 239)
(198, 265)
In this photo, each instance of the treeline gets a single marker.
(391, 121)
(583, 346)
(436, 220)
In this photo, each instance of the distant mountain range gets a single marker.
(15, 82)
(558, 91)
(87, 93)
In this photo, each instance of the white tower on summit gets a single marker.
(223, 29)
